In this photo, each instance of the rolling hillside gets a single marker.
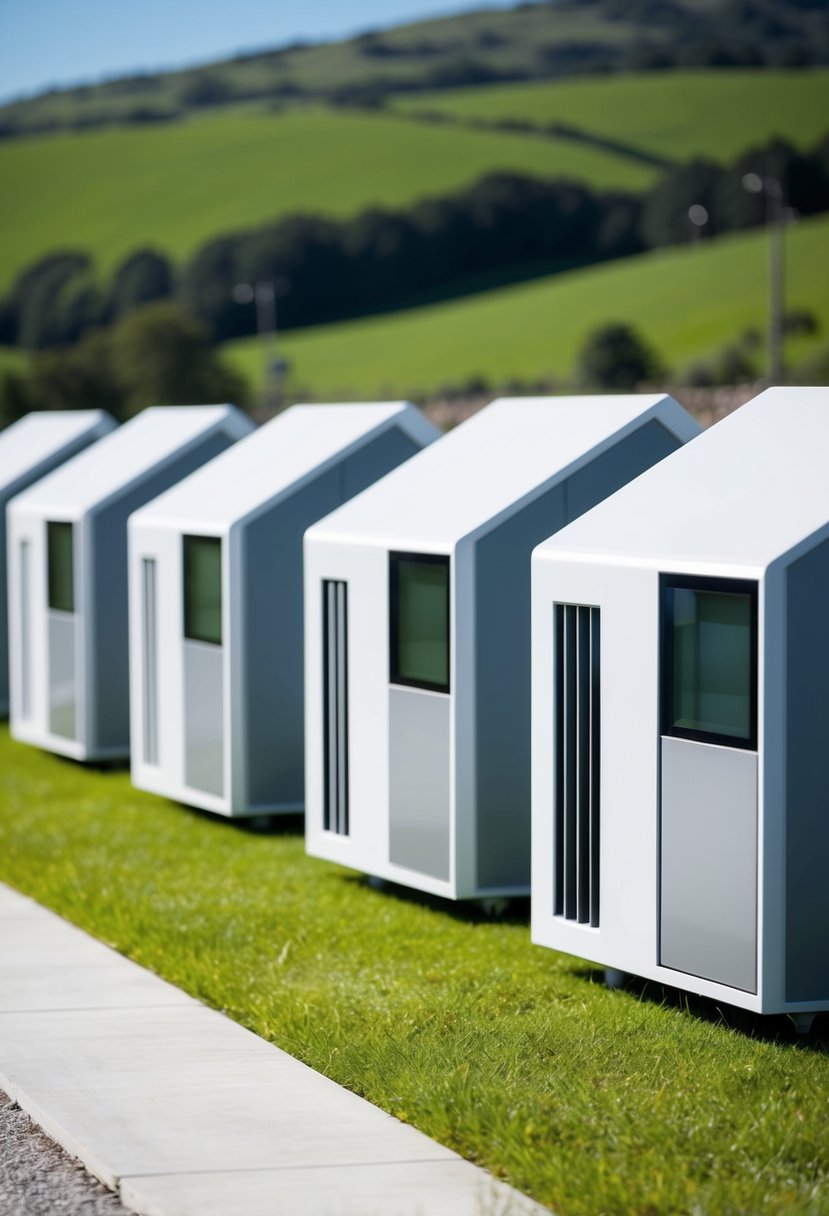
(533, 40)
(688, 303)
(112, 191)
(675, 115)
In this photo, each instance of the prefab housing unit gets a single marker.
(216, 603)
(67, 538)
(29, 449)
(417, 601)
(680, 765)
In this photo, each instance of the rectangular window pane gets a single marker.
(712, 662)
(60, 567)
(203, 589)
(420, 621)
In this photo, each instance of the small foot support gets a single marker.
(803, 1023)
(494, 906)
(614, 978)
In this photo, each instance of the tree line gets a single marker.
(504, 226)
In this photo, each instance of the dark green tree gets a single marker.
(615, 356)
(141, 278)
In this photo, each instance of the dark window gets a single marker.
(419, 625)
(203, 589)
(61, 567)
(709, 660)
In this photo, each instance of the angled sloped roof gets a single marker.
(745, 492)
(40, 437)
(275, 459)
(126, 456)
(487, 465)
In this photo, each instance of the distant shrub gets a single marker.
(616, 356)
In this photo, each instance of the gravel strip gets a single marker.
(37, 1178)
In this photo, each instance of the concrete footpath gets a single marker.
(185, 1113)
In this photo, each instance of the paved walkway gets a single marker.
(185, 1113)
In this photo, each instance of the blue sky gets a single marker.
(61, 42)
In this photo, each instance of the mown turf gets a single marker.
(109, 192)
(717, 113)
(687, 302)
(593, 1101)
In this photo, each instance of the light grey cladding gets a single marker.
(4, 616)
(108, 661)
(623, 461)
(374, 459)
(204, 717)
(273, 617)
(62, 632)
(271, 558)
(419, 791)
(807, 777)
(708, 873)
(502, 692)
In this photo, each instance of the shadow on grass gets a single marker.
(251, 825)
(766, 1028)
(517, 911)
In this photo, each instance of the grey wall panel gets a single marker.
(419, 790)
(109, 652)
(502, 695)
(271, 550)
(807, 778)
(375, 459)
(617, 466)
(62, 632)
(204, 717)
(708, 873)
(33, 475)
(4, 619)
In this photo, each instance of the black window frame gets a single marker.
(185, 599)
(727, 586)
(433, 559)
(52, 526)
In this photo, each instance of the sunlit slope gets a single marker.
(687, 302)
(677, 115)
(174, 186)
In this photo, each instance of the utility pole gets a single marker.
(776, 216)
(263, 294)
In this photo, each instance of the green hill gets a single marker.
(688, 302)
(676, 115)
(173, 187)
(533, 40)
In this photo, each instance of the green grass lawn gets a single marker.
(112, 191)
(714, 113)
(593, 1101)
(688, 302)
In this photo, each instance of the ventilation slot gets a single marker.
(335, 679)
(576, 735)
(25, 632)
(150, 667)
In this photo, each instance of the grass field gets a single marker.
(687, 302)
(172, 187)
(593, 1101)
(716, 113)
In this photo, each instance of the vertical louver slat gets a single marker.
(576, 755)
(595, 737)
(335, 707)
(150, 649)
(558, 761)
(25, 631)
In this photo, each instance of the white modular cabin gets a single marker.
(29, 449)
(216, 603)
(680, 764)
(67, 538)
(417, 603)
